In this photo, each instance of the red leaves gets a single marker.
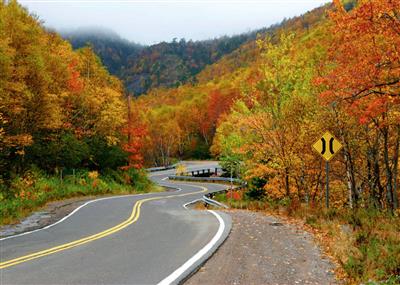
(375, 108)
(365, 57)
(74, 83)
(218, 104)
(235, 195)
(136, 135)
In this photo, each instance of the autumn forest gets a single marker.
(80, 108)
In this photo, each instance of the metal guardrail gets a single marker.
(208, 197)
(205, 179)
(161, 168)
(214, 202)
(202, 172)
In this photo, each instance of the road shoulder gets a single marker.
(264, 250)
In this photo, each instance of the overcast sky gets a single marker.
(152, 21)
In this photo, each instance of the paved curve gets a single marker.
(137, 239)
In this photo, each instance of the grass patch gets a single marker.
(33, 190)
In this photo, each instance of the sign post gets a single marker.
(327, 147)
(327, 184)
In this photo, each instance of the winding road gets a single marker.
(137, 239)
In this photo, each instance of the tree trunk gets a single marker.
(396, 169)
(351, 182)
(377, 175)
(318, 182)
(374, 182)
(287, 186)
(388, 170)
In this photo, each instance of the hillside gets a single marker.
(108, 45)
(175, 63)
(166, 64)
(172, 64)
(248, 53)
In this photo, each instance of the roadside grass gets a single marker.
(365, 243)
(33, 190)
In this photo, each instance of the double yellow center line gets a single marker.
(132, 218)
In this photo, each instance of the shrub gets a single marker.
(353, 267)
(255, 189)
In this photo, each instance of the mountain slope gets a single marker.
(108, 45)
(172, 64)
(161, 65)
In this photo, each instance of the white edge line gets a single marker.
(178, 272)
(76, 210)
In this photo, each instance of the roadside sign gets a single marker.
(327, 146)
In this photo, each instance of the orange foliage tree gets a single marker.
(364, 82)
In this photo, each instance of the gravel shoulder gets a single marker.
(264, 250)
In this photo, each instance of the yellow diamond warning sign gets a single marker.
(327, 146)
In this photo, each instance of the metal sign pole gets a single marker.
(327, 184)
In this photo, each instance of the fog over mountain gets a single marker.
(166, 64)
(113, 50)
(154, 21)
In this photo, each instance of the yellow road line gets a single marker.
(132, 218)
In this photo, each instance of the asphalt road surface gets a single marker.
(138, 239)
